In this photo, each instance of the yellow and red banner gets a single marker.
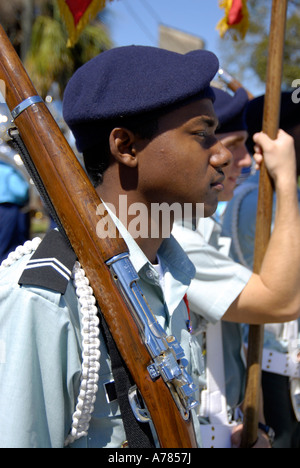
(77, 14)
(236, 18)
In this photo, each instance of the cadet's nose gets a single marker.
(221, 156)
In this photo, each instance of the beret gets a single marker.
(230, 109)
(129, 81)
(289, 115)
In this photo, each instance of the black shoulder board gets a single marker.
(51, 265)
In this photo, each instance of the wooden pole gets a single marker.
(264, 215)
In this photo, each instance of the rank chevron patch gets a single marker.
(50, 262)
(51, 265)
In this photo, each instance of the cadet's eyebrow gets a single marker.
(234, 139)
(209, 121)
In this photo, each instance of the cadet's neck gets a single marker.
(148, 228)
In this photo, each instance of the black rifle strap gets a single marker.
(138, 434)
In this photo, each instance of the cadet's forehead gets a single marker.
(129, 81)
(193, 116)
(196, 112)
(230, 110)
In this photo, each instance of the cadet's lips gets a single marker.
(218, 183)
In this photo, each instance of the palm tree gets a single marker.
(49, 60)
(11, 21)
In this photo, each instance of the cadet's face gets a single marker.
(235, 142)
(184, 162)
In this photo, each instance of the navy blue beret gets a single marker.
(129, 81)
(289, 113)
(230, 109)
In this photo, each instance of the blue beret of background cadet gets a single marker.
(128, 81)
(230, 110)
(289, 113)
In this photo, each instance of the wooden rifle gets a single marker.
(153, 358)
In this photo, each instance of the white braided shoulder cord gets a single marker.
(90, 342)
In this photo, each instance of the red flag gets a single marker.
(77, 14)
(236, 18)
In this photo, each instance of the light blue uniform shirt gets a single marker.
(40, 362)
(218, 282)
(239, 223)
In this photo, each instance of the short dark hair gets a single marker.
(97, 157)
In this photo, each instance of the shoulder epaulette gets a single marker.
(51, 265)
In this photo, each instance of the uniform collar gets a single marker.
(178, 272)
(177, 269)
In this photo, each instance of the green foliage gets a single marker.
(251, 54)
(50, 60)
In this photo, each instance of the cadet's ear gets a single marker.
(122, 146)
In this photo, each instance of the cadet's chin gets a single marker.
(210, 209)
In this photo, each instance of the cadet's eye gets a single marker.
(202, 134)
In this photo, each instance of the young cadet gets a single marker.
(224, 289)
(281, 369)
(144, 120)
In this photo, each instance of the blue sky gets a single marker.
(137, 22)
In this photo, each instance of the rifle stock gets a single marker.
(76, 202)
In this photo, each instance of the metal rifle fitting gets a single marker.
(166, 352)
